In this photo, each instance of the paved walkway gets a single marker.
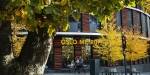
(147, 73)
(67, 74)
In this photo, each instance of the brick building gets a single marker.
(86, 29)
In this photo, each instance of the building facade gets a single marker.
(86, 28)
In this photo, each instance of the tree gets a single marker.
(136, 47)
(110, 47)
(145, 4)
(17, 40)
(110, 44)
(42, 18)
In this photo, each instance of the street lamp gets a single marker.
(123, 37)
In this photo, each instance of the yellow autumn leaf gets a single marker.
(136, 47)
(23, 14)
(18, 13)
(63, 2)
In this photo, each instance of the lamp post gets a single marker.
(123, 37)
(94, 63)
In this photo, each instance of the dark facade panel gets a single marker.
(144, 25)
(136, 21)
(57, 53)
(130, 19)
(85, 22)
(148, 26)
(124, 18)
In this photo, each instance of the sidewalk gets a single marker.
(67, 74)
(146, 73)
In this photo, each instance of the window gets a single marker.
(93, 24)
(118, 19)
(67, 52)
(86, 53)
(136, 21)
(73, 26)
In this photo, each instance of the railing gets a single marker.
(119, 73)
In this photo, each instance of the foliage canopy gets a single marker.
(110, 48)
(145, 4)
(54, 13)
(136, 47)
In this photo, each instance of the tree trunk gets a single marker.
(6, 54)
(34, 54)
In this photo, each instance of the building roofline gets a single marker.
(69, 34)
(138, 10)
(77, 34)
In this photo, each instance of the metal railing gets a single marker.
(119, 73)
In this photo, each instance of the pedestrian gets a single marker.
(79, 64)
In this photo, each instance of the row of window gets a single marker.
(76, 26)
(132, 18)
(135, 19)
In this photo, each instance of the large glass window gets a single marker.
(118, 19)
(86, 53)
(93, 24)
(73, 26)
(67, 53)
